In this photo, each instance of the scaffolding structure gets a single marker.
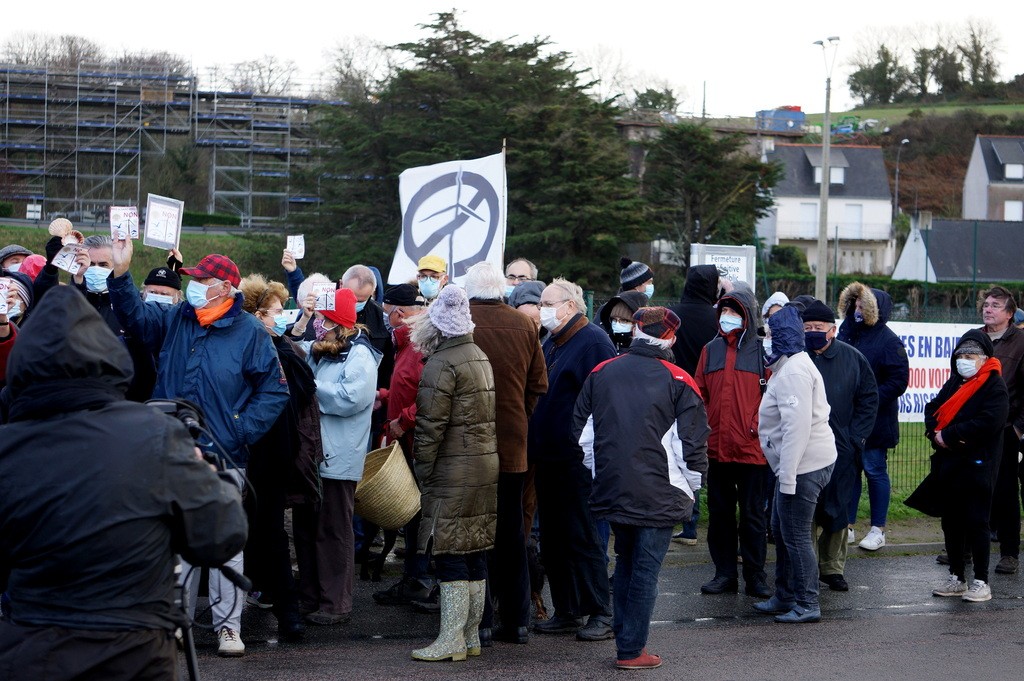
(78, 140)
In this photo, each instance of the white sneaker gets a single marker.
(229, 643)
(874, 540)
(851, 537)
(978, 592)
(951, 587)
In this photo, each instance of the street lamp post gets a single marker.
(826, 141)
(896, 204)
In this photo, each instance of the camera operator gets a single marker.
(97, 495)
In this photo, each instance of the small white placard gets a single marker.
(4, 288)
(163, 222)
(324, 295)
(34, 211)
(297, 245)
(124, 222)
(66, 258)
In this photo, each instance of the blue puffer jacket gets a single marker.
(230, 369)
(345, 388)
(884, 351)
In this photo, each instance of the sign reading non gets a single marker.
(163, 222)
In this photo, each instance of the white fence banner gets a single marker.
(929, 348)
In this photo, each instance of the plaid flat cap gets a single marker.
(216, 266)
(659, 322)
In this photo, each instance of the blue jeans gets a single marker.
(639, 552)
(689, 530)
(879, 488)
(796, 566)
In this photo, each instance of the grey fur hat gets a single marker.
(450, 312)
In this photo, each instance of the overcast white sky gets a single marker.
(752, 55)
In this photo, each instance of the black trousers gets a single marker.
(570, 549)
(507, 568)
(748, 487)
(965, 523)
(453, 567)
(57, 653)
(1005, 518)
(268, 561)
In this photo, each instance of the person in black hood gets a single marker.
(616, 318)
(90, 521)
(965, 424)
(696, 311)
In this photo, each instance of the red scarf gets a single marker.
(944, 414)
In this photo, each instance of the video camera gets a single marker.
(191, 416)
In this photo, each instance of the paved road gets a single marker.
(887, 626)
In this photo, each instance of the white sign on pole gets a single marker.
(739, 263)
(455, 210)
(297, 245)
(163, 222)
(34, 211)
(124, 222)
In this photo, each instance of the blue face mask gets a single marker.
(96, 278)
(280, 325)
(815, 340)
(728, 323)
(622, 327)
(649, 291)
(429, 288)
(857, 316)
(360, 306)
(195, 293)
(509, 290)
(159, 298)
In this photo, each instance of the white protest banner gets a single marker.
(5, 286)
(297, 245)
(455, 210)
(738, 263)
(163, 222)
(66, 258)
(124, 222)
(929, 348)
(324, 295)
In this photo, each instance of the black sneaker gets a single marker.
(1007, 565)
(430, 604)
(403, 592)
(721, 585)
(835, 582)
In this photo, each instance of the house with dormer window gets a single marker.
(859, 207)
(994, 183)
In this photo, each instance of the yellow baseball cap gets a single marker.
(433, 263)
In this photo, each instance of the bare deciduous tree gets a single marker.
(359, 69)
(267, 75)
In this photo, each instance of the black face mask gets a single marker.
(815, 340)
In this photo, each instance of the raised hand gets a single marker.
(122, 252)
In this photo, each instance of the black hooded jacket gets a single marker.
(634, 300)
(697, 314)
(97, 493)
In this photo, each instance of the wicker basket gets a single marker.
(387, 495)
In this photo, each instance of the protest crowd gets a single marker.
(537, 438)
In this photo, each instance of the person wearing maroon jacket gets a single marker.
(402, 303)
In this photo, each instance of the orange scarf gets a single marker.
(208, 315)
(944, 414)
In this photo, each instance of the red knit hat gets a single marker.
(344, 311)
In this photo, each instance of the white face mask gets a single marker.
(966, 367)
(621, 327)
(767, 347)
(549, 316)
(159, 298)
(14, 268)
(649, 291)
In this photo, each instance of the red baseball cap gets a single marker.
(216, 266)
(344, 311)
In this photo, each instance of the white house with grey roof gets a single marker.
(994, 183)
(859, 207)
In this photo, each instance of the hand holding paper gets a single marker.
(297, 246)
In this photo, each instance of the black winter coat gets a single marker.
(697, 314)
(97, 493)
(974, 440)
(885, 353)
(853, 398)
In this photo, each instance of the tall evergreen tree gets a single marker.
(570, 206)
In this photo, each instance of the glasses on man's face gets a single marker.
(510, 278)
(424, 277)
(995, 305)
(553, 303)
